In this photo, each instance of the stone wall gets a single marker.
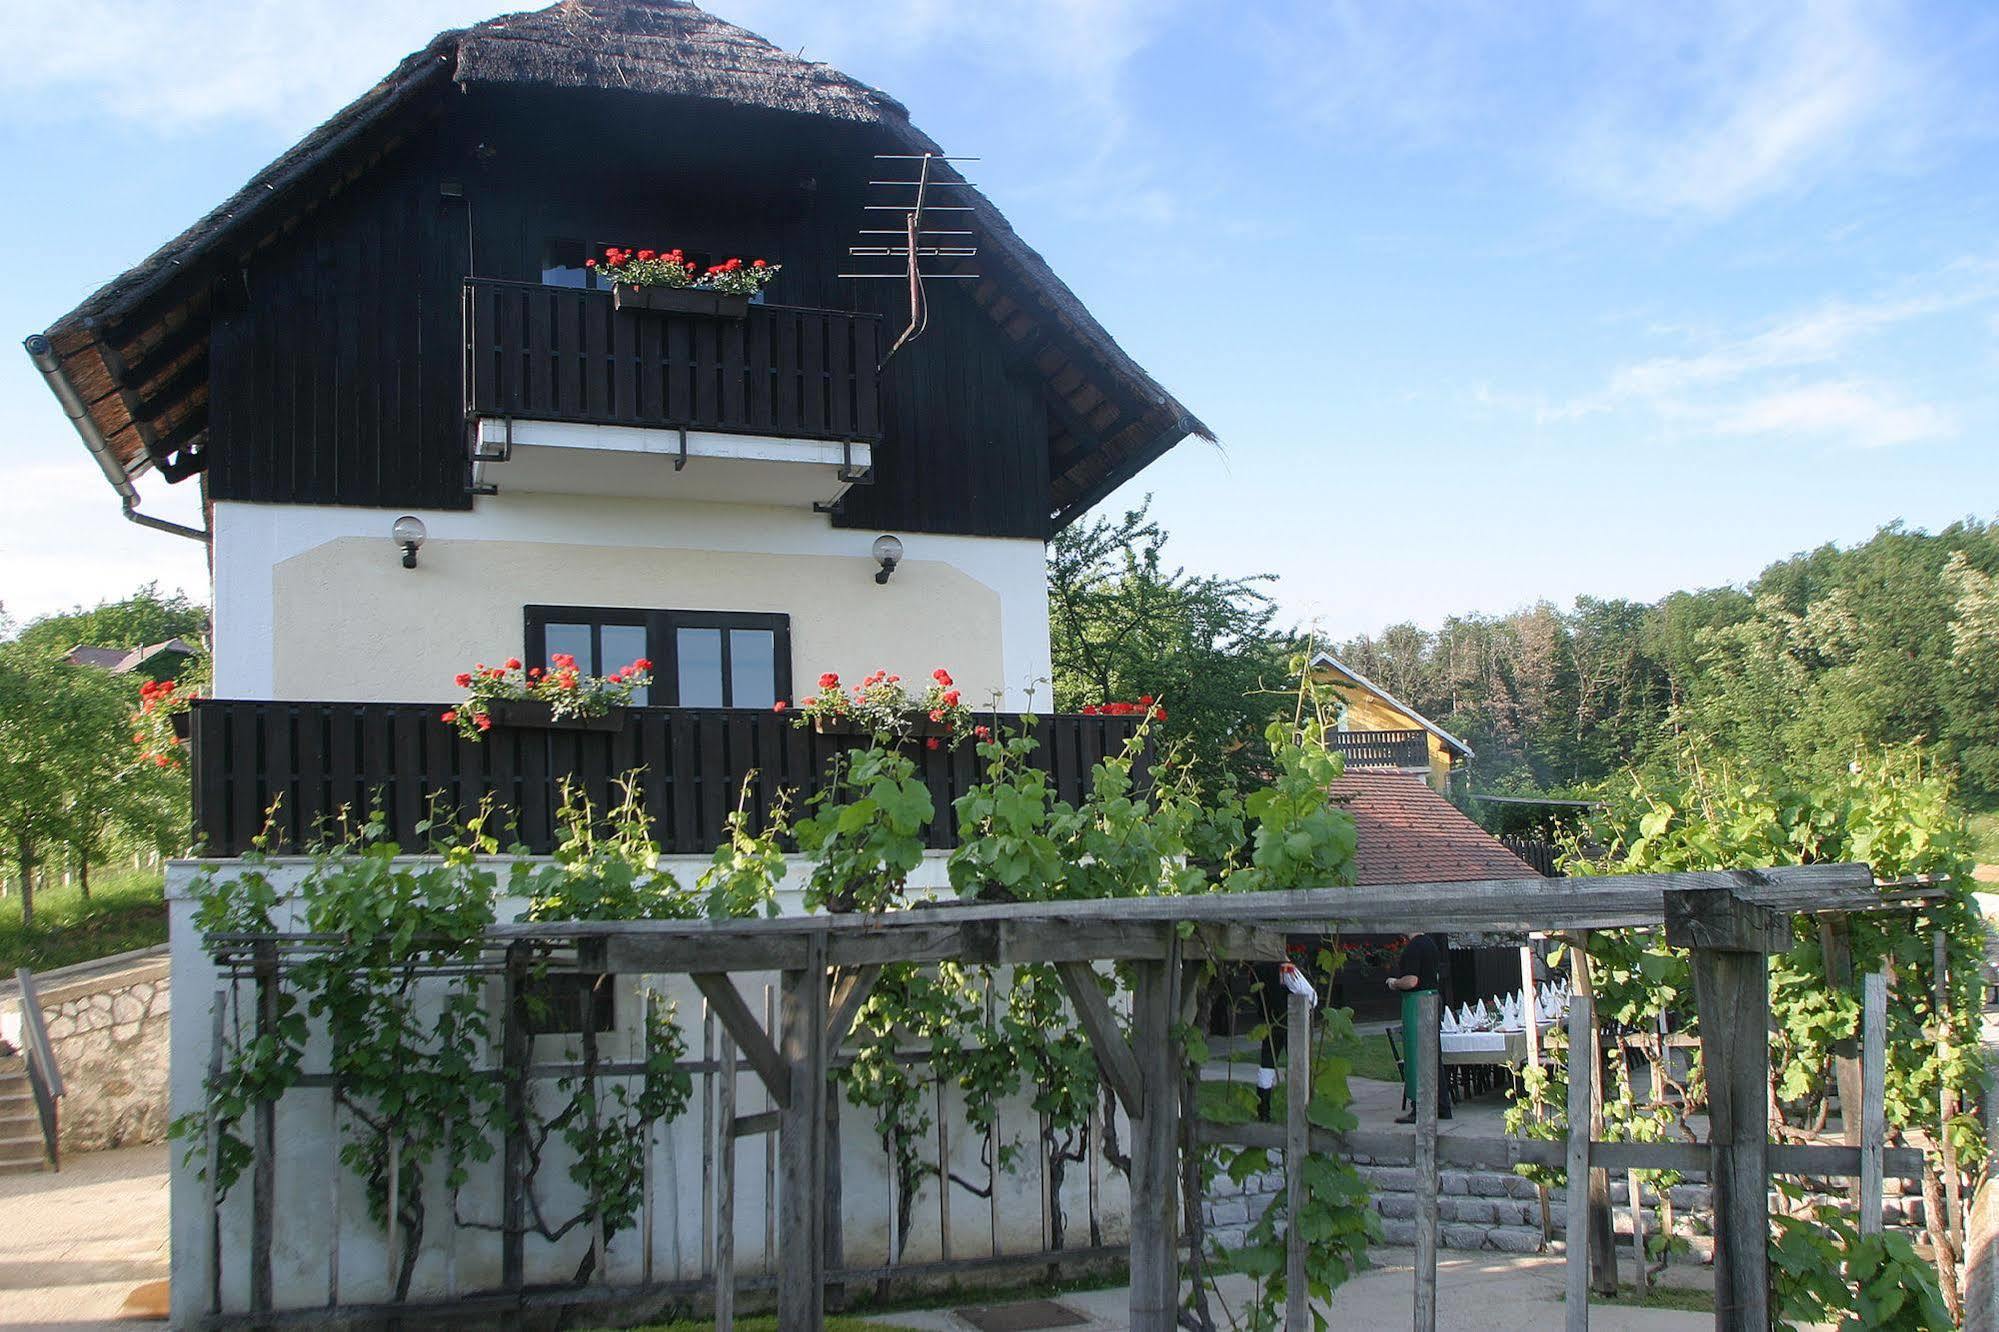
(108, 1027)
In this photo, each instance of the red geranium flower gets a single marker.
(483, 722)
(779, 706)
(449, 715)
(464, 680)
(933, 743)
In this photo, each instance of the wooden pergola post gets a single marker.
(1731, 941)
(1155, 1159)
(802, 1144)
(1602, 1224)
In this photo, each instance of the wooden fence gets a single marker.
(311, 760)
(1383, 749)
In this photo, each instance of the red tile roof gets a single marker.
(1410, 834)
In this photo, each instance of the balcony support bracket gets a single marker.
(850, 474)
(680, 460)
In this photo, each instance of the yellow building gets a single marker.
(1380, 731)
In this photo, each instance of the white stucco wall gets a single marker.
(313, 602)
(312, 1188)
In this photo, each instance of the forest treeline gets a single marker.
(1823, 655)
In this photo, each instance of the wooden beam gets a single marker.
(850, 990)
(1107, 1042)
(154, 360)
(263, 1178)
(1872, 1120)
(801, 1147)
(727, 1004)
(1730, 938)
(176, 387)
(1582, 1072)
(1429, 1066)
(1155, 1148)
(1297, 1146)
(1602, 1223)
(516, 1050)
(1519, 906)
(1836, 947)
(725, 1189)
(751, 1126)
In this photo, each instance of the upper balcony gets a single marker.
(780, 406)
(289, 767)
(1384, 749)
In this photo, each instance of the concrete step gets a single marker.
(19, 1153)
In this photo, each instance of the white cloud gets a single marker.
(1695, 384)
(66, 543)
(1745, 102)
(178, 66)
(1844, 411)
(1828, 373)
(1682, 110)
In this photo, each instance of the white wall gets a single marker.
(313, 602)
(311, 1187)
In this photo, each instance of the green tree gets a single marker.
(65, 759)
(1971, 698)
(1123, 625)
(146, 616)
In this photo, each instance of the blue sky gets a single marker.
(1487, 302)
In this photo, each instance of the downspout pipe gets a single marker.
(43, 354)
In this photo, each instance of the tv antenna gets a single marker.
(915, 240)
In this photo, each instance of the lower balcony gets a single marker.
(312, 760)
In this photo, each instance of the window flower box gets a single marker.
(681, 300)
(559, 698)
(669, 282)
(529, 714)
(915, 724)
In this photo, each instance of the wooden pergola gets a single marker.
(1730, 920)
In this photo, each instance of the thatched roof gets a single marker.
(136, 349)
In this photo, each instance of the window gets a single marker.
(701, 659)
(562, 266)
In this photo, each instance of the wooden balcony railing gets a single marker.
(565, 354)
(313, 759)
(1384, 749)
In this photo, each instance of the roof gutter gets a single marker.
(42, 353)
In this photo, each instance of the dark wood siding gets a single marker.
(338, 379)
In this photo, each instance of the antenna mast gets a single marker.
(917, 241)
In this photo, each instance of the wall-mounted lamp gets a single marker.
(888, 553)
(409, 534)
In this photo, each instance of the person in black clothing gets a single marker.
(1418, 971)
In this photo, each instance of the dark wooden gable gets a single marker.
(337, 354)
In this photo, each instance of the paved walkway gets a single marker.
(75, 1244)
(1486, 1292)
